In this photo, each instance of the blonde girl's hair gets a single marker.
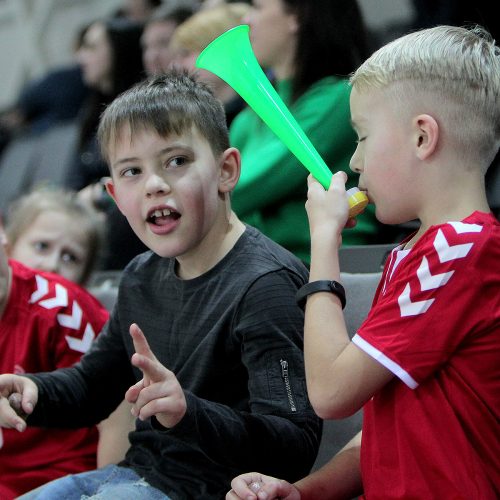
(25, 209)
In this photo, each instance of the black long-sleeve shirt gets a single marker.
(234, 338)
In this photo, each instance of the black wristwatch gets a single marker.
(320, 286)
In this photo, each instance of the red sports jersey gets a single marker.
(48, 323)
(432, 432)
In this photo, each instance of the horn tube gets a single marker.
(231, 58)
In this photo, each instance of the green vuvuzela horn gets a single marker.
(231, 58)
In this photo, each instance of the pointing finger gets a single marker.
(152, 369)
(141, 345)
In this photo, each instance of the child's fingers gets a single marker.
(133, 392)
(338, 180)
(141, 345)
(152, 369)
(9, 418)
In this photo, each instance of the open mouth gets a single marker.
(161, 217)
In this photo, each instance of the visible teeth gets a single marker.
(161, 213)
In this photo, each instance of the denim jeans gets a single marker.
(110, 482)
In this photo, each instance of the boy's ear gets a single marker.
(426, 135)
(110, 189)
(229, 170)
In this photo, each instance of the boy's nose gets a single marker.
(156, 184)
(355, 163)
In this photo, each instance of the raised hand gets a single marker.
(328, 210)
(159, 392)
(256, 486)
(18, 397)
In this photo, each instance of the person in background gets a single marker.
(158, 30)
(424, 364)
(110, 57)
(46, 322)
(205, 339)
(309, 48)
(51, 230)
(192, 36)
(49, 100)
(137, 10)
(111, 61)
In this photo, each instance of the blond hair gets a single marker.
(451, 70)
(24, 210)
(203, 27)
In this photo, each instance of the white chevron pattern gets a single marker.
(409, 308)
(83, 344)
(61, 298)
(73, 320)
(42, 289)
(428, 280)
(462, 227)
(448, 252)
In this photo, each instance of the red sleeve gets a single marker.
(440, 293)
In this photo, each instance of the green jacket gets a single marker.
(272, 189)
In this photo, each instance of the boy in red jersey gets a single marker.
(424, 364)
(46, 322)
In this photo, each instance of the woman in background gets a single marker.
(194, 34)
(111, 60)
(309, 48)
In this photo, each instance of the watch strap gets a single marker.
(330, 286)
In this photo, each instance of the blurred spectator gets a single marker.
(310, 48)
(55, 97)
(137, 10)
(193, 35)
(111, 61)
(51, 230)
(46, 322)
(158, 30)
(46, 101)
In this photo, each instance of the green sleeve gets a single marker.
(270, 172)
(272, 189)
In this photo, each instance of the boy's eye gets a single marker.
(40, 246)
(130, 172)
(360, 139)
(177, 161)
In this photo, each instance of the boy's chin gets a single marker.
(164, 251)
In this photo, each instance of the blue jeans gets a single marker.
(110, 482)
